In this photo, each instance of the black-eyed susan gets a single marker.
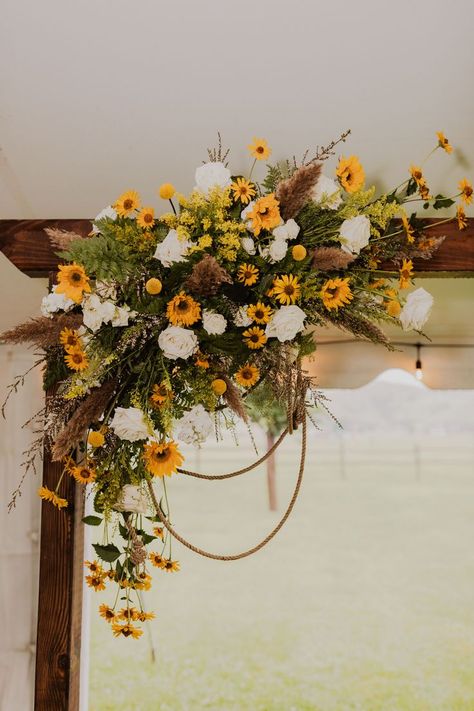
(417, 175)
(127, 203)
(350, 174)
(443, 142)
(153, 286)
(219, 386)
(70, 339)
(51, 496)
(171, 566)
(72, 282)
(336, 292)
(146, 218)
(161, 394)
(159, 532)
(254, 337)
(286, 289)
(156, 559)
(76, 360)
(162, 458)
(406, 273)
(166, 191)
(466, 191)
(260, 313)
(142, 582)
(93, 566)
(107, 613)
(201, 361)
(265, 214)
(247, 375)
(248, 274)
(95, 438)
(96, 581)
(130, 614)
(243, 190)
(461, 217)
(127, 630)
(183, 310)
(409, 231)
(83, 475)
(259, 149)
(144, 616)
(392, 304)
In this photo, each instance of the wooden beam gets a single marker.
(27, 246)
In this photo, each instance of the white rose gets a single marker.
(177, 342)
(278, 249)
(210, 175)
(96, 312)
(213, 323)
(172, 249)
(55, 302)
(195, 427)
(121, 315)
(289, 230)
(417, 309)
(106, 290)
(287, 321)
(327, 193)
(106, 212)
(132, 499)
(248, 244)
(354, 234)
(129, 423)
(242, 319)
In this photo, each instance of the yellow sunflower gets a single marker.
(171, 566)
(255, 337)
(83, 475)
(259, 149)
(243, 190)
(157, 560)
(93, 566)
(259, 312)
(406, 273)
(159, 532)
(76, 360)
(161, 394)
(96, 581)
(461, 217)
(247, 375)
(162, 459)
(126, 630)
(51, 496)
(350, 174)
(417, 175)
(286, 289)
(265, 214)
(392, 305)
(182, 310)
(248, 274)
(336, 292)
(70, 339)
(72, 282)
(127, 203)
(146, 218)
(143, 582)
(443, 142)
(466, 191)
(128, 613)
(107, 613)
(144, 616)
(409, 231)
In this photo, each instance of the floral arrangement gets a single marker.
(160, 327)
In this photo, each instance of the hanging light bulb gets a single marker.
(418, 366)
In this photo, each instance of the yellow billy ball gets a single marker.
(166, 191)
(96, 439)
(153, 286)
(219, 386)
(299, 252)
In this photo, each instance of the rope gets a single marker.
(260, 545)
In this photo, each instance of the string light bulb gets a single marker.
(418, 365)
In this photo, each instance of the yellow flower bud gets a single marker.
(153, 286)
(299, 252)
(96, 439)
(219, 386)
(166, 191)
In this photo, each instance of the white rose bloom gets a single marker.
(172, 249)
(195, 427)
(213, 323)
(177, 342)
(129, 423)
(248, 244)
(327, 193)
(106, 212)
(54, 302)
(287, 321)
(417, 309)
(278, 249)
(132, 499)
(106, 290)
(242, 319)
(210, 175)
(288, 230)
(96, 312)
(121, 315)
(354, 234)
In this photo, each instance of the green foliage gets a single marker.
(108, 553)
(102, 257)
(264, 409)
(56, 369)
(92, 520)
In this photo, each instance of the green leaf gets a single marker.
(108, 553)
(146, 537)
(411, 187)
(124, 531)
(92, 520)
(441, 202)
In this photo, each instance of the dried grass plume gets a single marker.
(295, 191)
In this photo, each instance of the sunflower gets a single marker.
(72, 281)
(409, 231)
(70, 339)
(146, 218)
(144, 616)
(161, 394)
(265, 214)
(248, 274)
(128, 613)
(259, 312)
(127, 203)
(171, 566)
(417, 175)
(259, 149)
(286, 289)
(143, 582)
(182, 310)
(392, 304)
(162, 459)
(255, 337)
(76, 360)
(461, 217)
(406, 272)
(127, 630)
(96, 581)
(107, 613)
(158, 531)
(83, 475)
(93, 566)
(466, 191)
(336, 292)
(157, 560)
(247, 375)
(243, 190)
(350, 174)
(201, 361)
(443, 142)
(51, 496)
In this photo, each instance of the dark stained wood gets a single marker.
(26, 244)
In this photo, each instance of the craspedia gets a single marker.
(299, 252)
(153, 286)
(219, 386)
(166, 191)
